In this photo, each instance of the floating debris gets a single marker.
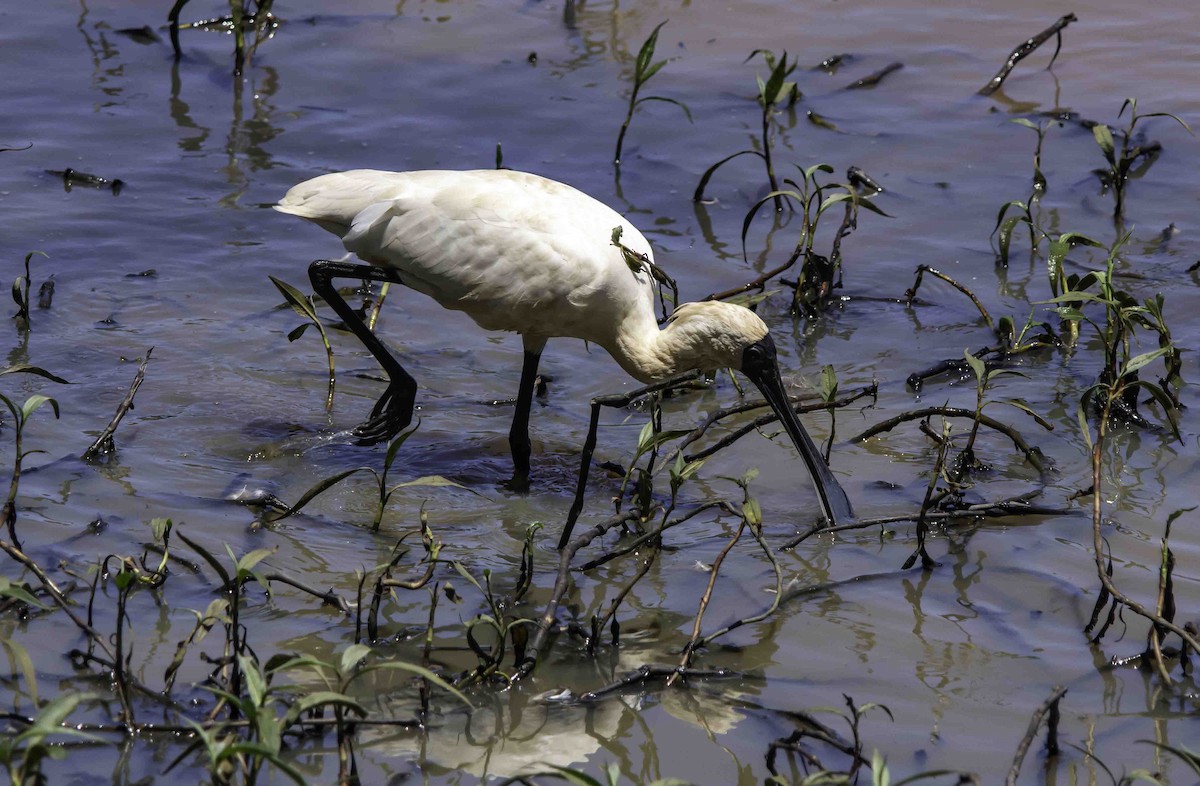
(73, 177)
(820, 121)
(870, 81)
(831, 64)
(142, 35)
(862, 181)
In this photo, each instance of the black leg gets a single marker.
(393, 411)
(518, 435)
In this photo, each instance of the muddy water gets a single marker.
(179, 260)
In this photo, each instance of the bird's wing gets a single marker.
(459, 246)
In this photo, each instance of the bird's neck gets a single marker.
(650, 355)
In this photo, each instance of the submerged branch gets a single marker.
(1032, 454)
(1025, 49)
(104, 445)
(1049, 705)
(566, 553)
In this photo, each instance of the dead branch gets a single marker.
(1025, 49)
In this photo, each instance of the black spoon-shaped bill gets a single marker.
(761, 367)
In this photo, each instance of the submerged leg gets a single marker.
(393, 411)
(518, 435)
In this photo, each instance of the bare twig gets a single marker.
(758, 422)
(910, 294)
(589, 444)
(1025, 49)
(1032, 454)
(104, 445)
(1049, 705)
(874, 79)
(1015, 506)
(566, 553)
(705, 599)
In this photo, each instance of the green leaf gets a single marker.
(159, 528)
(652, 70)
(1104, 138)
(646, 54)
(295, 298)
(256, 684)
(323, 698)
(571, 776)
(1143, 359)
(1070, 314)
(829, 383)
(1028, 410)
(298, 331)
(1075, 296)
(318, 489)
(648, 440)
(753, 512)
(50, 719)
(774, 87)
(35, 401)
(1164, 401)
(25, 368)
(394, 445)
(977, 366)
(812, 170)
(124, 578)
(351, 657)
(1150, 114)
(18, 592)
(248, 562)
(679, 104)
(19, 656)
(754, 211)
(424, 673)
(698, 194)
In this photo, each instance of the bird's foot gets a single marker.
(390, 415)
(518, 483)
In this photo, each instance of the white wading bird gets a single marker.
(522, 253)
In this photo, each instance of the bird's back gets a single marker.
(513, 250)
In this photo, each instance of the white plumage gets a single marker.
(522, 253)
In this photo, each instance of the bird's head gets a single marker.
(721, 335)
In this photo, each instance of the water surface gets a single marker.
(961, 655)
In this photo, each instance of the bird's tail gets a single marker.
(330, 201)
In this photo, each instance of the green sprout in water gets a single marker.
(20, 293)
(303, 305)
(1121, 162)
(643, 69)
(771, 93)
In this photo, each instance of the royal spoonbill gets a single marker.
(522, 253)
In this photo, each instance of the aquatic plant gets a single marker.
(20, 293)
(305, 306)
(1121, 161)
(775, 90)
(644, 67)
(243, 14)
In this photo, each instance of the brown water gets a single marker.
(961, 655)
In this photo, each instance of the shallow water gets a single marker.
(961, 655)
